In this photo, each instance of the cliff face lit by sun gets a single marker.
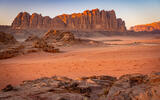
(88, 20)
(147, 27)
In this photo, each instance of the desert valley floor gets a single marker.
(123, 55)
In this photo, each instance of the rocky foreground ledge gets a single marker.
(127, 87)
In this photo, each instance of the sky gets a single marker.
(133, 12)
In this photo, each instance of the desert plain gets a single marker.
(121, 55)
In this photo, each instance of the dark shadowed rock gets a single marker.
(8, 88)
(56, 35)
(9, 47)
(127, 87)
(135, 87)
(50, 48)
(32, 38)
(7, 38)
(11, 51)
(42, 44)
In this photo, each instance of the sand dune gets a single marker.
(79, 61)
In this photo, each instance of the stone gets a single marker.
(42, 44)
(32, 38)
(155, 26)
(57, 35)
(7, 38)
(127, 87)
(8, 88)
(10, 51)
(22, 21)
(62, 96)
(51, 49)
(134, 87)
(89, 20)
(7, 53)
(39, 43)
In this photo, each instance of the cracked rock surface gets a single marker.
(127, 87)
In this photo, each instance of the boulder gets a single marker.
(42, 44)
(135, 87)
(8, 88)
(11, 51)
(127, 87)
(32, 38)
(7, 38)
(50, 48)
(56, 35)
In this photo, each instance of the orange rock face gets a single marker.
(146, 27)
(88, 20)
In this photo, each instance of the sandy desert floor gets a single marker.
(122, 56)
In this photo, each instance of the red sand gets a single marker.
(73, 63)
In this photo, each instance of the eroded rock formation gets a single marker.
(67, 38)
(11, 51)
(57, 35)
(10, 47)
(7, 38)
(88, 20)
(42, 44)
(127, 87)
(147, 27)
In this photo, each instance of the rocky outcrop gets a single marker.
(9, 47)
(42, 44)
(7, 38)
(32, 38)
(146, 27)
(50, 42)
(57, 35)
(11, 51)
(88, 20)
(136, 87)
(127, 87)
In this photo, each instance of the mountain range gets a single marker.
(155, 26)
(88, 20)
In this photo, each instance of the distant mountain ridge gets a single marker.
(88, 20)
(155, 26)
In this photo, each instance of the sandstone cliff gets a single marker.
(147, 27)
(88, 20)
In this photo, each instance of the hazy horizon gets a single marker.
(132, 12)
